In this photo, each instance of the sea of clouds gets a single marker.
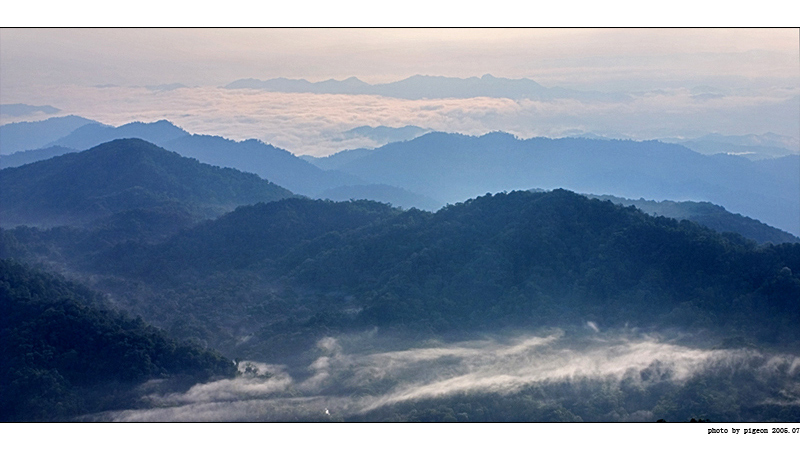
(313, 124)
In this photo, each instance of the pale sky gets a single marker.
(612, 59)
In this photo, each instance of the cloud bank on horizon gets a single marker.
(315, 124)
(675, 83)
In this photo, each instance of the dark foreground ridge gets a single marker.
(63, 352)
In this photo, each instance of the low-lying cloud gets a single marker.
(345, 381)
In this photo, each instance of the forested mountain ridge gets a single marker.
(119, 176)
(397, 197)
(710, 215)
(452, 168)
(215, 280)
(555, 257)
(440, 168)
(65, 353)
(250, 235)
(252, 156)
(520, 259)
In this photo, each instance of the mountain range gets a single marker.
(151, 274)
(439, 168)
(709, 215)
(751, 146)
(423, 86)
(450, 168)
(363, 308)
(94, 134)
(758, 140)
(524, 259)
(385, 135)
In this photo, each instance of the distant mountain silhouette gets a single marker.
(336, 160)
(710, 215)
(351, 85)
(384, 135)
(17, 159)
(753, 152)
(751, 146)
(22, 109)
(267, 161)
(20, 136)
(424, 86)
(452, 168)
(119, 176)
(88, 136)
(766, 139)
(447, 168)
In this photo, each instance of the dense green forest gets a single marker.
(526, 258)
(65, 352)
(298, 268)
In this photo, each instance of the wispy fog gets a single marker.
(315, 123)
(346, 381)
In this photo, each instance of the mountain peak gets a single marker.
(91, 135)
(123, 175)
(353, 80)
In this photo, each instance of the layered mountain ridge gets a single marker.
(123, 175)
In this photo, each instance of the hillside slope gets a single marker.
(266, 161)
(119, 176)
(92, 135)
(64, 353)
(452, 168)
(710, 215)
(21, 136)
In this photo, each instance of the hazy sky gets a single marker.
(616, 59)
(753, 76)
